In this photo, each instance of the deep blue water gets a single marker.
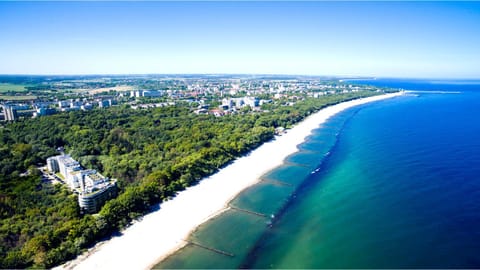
(396, 184)
(425, 85)
(401, 189)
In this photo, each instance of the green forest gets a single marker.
(154, 153)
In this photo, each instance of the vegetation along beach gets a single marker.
(239, 134)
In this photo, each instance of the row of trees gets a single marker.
(154, 153)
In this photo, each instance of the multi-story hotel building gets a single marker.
(93, 189)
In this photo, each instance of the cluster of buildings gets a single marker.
(218, 86)
(12, 111)
(230, 105)
(145, 93)
(93, 189)
(236, 103)
(234, 92)
(75, 105)
(152, 105)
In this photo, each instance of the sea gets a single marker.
(389, 184)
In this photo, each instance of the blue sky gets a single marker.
(383, 39)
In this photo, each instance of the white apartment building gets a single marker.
(93, 188)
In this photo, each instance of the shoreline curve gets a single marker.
(162, 232)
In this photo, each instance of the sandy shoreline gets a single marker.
(162, 232)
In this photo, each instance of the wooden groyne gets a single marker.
(292, 163)
(221, 252)
(277, 182)
(248, 211)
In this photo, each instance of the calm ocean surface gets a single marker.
(393, 184)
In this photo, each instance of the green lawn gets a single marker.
(17, 97)
(6, 87)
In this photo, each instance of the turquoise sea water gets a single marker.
(392, 184)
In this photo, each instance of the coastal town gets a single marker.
(204, 95)
(239, 135)
(87, 157)
(216, 95)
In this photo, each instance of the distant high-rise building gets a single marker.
(104, 103)
(44, 111)
(112, 102)
(151, 93)
(10, 113)
(136, 93)
(75, 104)
(63, 104)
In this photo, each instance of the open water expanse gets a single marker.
(391, 184)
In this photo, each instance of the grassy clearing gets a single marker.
(9, 87)
(17, 97)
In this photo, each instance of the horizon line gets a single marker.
(245, 74)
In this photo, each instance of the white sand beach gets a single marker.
(161, 232)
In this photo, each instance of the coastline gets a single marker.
(160, 233)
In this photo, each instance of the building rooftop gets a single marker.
(96, 176)
(67, 160)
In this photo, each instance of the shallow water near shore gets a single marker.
(393, 184)
(226, 240)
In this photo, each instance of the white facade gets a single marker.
(63, 104)
(66, 164)
(52, 164)
(240, 102)
(87, 183)
(9, 112)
